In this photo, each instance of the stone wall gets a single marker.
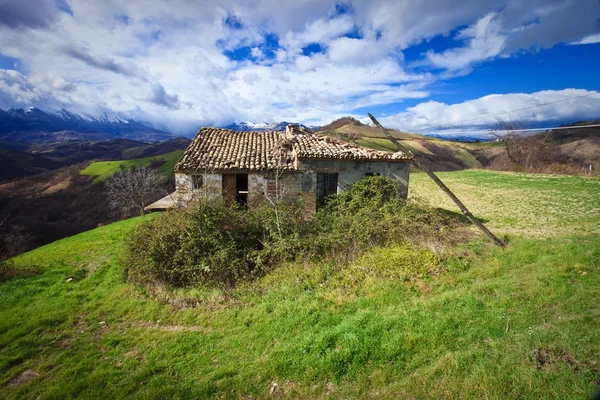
(263, 184)
(350, 172)
(299, 186)
(211, 186)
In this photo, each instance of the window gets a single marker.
(326, 185)
(372, 174)
(196, 182)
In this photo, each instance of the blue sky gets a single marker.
(416, 65)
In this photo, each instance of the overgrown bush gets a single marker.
(211, 244)
(214, 244)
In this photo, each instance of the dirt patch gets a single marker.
(23, 378)
(62, 185)
(173, 328)
(550, 358)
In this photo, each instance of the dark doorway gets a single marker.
(235, 188)
(241, 183)
(326, 185)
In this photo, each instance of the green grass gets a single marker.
(484, 323)
(456, 150)
(103, 170)
(518, 203)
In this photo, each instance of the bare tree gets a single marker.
(200, 182)
(14, 239)
(529, 152)
(509, 132)
(132, 190)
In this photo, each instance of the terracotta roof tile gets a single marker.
(217, 149)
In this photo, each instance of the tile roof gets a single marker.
(217, 149)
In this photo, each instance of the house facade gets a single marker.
(297, 164)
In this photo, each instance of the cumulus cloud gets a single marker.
(183, 63)
(589, 39)
(484, 41)
(548, 105)
(104, 63)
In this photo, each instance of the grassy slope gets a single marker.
(416, 144)
(497, 323)
(105, 169)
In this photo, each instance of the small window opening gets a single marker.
(197, 182)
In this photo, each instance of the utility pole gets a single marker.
(442, 186)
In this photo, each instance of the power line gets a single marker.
(511, 111)
(514, 130)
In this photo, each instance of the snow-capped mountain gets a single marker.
(262, 126)
(27, 124)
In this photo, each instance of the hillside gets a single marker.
(438, 154)
(17, 164)
(37, 158)
(564, 151)
(52, 205)
(569, 150)
(103, 170)
(521, 322)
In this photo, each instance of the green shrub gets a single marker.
(210, 244)
(215, 244)
(400, 262)
(373, 212)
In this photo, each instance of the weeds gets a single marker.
(215, 244)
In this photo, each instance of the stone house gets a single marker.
(293, 165)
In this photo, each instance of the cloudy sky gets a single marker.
(421, 66)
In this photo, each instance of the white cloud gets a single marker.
(358, 51)
(484, 41)
(548, 105)
(590, 39)
(163, 60)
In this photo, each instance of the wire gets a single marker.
(507, 112)
(507, 131)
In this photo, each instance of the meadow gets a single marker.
(521, 322)
(103, 170)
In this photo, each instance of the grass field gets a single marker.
(103, 170)
(526, 204)
(517, 323)
(457, 151)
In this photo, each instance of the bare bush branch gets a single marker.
(130, 191)
(510, 134)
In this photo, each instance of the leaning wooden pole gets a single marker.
(442, 186)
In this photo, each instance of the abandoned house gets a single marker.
(293, 165)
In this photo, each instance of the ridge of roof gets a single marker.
(220, 149)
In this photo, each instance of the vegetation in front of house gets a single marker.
(397, 321)
(214, 243)
(103, 170)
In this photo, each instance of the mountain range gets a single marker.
(34, 125)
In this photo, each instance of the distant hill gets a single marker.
(33, 125)
(45, 157)
(439, 154)
(577, 147)
(563, 151)
(17, 164)
(47, 206)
